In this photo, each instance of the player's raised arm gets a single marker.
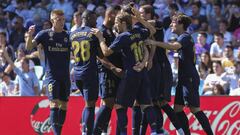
(146, 24)
(169, 46)
(105, 50)
(30, 43)
(8, 59)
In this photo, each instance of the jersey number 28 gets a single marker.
(81, 50)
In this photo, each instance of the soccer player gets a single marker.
(86, 48)
(108, 79)
(160, 75)
(55, 43)
(188, 79)
(135, 83)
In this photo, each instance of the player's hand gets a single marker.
(152, 22)
(97, 33)
(31, 30)
(118, 72)
(149, 64)
(149, 42)
(136, 13)
(138, 66)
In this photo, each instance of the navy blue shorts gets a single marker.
(187, 92)
(108, 84)
(166, 81)
(88, 88)
(58, 89)
(134, 86)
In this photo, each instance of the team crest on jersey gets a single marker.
(65, 40)
(50, 35)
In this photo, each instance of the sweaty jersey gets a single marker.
(56, 48)
(115, 58)
(85, 49)
(187, 56)
(130, 43)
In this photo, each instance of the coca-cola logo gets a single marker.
(39, 117)
(224, 121)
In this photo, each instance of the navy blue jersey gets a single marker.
(85, 47)
(115, 58)
(187, 56)
(131, 45)
(57, 53)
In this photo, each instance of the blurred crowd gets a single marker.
(215, 30)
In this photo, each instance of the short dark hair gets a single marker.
(218, 34)
(3, 33)
(183, 19)
(197, 3)
(218, 62)
(224, 22)
(125, 17)
(87, 13)
(217, 3)
(173, 6)
(230, 47)
(148, 9)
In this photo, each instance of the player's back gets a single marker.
(85, 48)
(130, 43)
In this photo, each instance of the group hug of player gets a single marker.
(125, 63)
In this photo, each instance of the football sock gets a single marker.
(159, 121)
(61, 118)
(171, 115)
(102, 120)
(151, 118)
(54, 121)
(88, 120)
(136, 119)
(203, 120)
(122, 120)
(144, 124)
(183, 120)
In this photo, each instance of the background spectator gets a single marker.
(214, 79)
(228, 60)
(7, 86)
(205, 66)
(217, 48)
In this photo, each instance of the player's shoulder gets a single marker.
(66, 32)
(126, 34)
(43, 32)
(185, 37)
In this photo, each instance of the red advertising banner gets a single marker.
(30, 116)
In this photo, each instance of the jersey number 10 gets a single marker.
(137, 50)
(81, 50)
